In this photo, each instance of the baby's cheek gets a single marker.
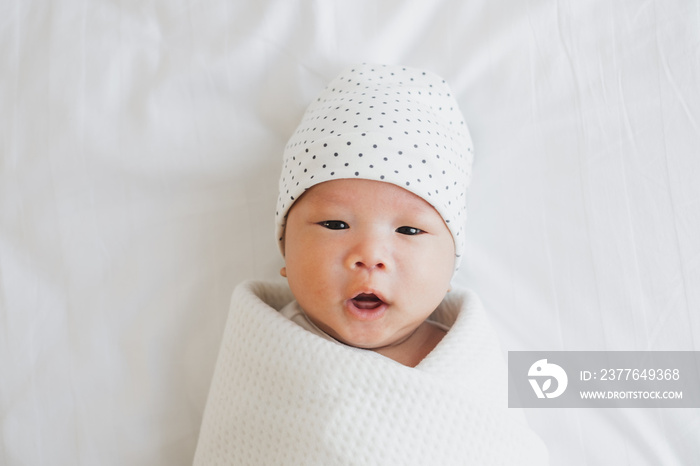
(439, 268)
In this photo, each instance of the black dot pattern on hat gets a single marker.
(386, 123)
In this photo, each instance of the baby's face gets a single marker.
(368, 261)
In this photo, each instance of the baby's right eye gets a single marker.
(334, 225)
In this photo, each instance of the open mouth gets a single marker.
(366, 306)
(367, 301)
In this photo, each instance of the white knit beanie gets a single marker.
(386, 123)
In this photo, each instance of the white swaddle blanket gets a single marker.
(282, 395)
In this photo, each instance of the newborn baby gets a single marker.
(364, 357)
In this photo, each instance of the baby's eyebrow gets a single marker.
(333, 199)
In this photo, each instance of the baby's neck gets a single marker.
(416, 347)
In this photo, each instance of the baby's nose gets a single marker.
(369, 255)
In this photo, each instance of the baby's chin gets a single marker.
(375, 342)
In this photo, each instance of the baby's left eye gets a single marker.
(409, 231)
(334, 225)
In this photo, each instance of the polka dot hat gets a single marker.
(386, 123)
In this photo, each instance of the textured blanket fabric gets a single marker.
(282, 395)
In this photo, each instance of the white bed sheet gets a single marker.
(140, 144)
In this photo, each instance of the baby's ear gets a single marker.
(283, 271)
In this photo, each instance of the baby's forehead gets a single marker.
(365, 194)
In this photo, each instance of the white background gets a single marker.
(140, 145)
